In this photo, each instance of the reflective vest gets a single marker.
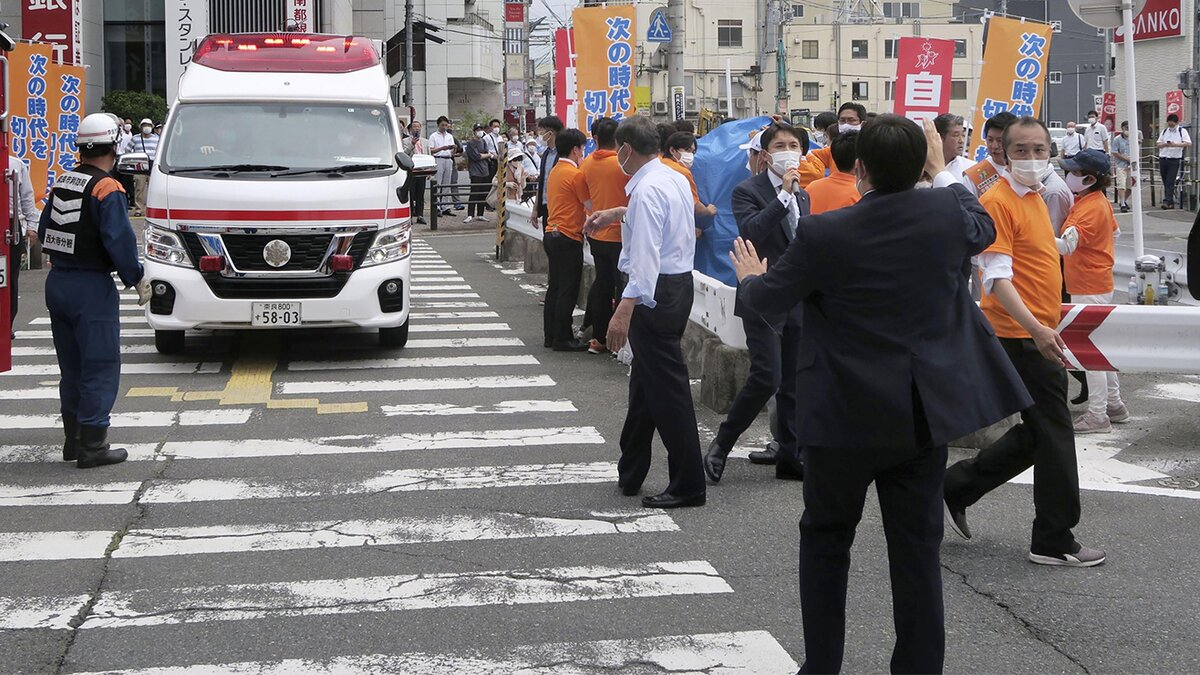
(983, 176)
(71, 236)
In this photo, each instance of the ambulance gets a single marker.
(279, 196)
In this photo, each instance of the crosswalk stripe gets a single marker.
(328, 597)
(443, 295)
(440, 440)
(442, 287)
(734, 653)
(448, 305)
(417, 362)
(431, 270)
(132, 308)
(46, 335)
(38, 394)
(129, 420)
(455, 343)
(289, 536)
(45, 320)
(501, 408)
(456, 315)
(455, 327)
(67, 495)
(423, 283)
(23, 454)
(418, 384)
(168, 368)
(49, 351)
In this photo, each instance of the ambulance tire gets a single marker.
(168, 341)
(394, 337)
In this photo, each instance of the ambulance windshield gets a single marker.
(294, 136)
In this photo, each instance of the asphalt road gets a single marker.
(451, 508)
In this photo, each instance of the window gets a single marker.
(906, 10)
(958, 90)
(889, 90)
(797, 11)
(1055, 77)
(858, 49)
(729, 32)
(858, 90)
(135, 47)
(1100, 82)
(1056, 26)
(960, 49)
(891, 48)
(810, 91)
(810, 49)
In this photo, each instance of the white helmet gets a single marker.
(96, 129)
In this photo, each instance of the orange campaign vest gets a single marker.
(983, 176)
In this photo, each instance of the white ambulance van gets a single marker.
(279, 196)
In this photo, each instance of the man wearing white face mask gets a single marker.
(767, 208)
(1072, 143)
(1022, 281)
(679, 154)
(851, 117)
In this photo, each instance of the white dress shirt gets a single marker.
(1071, 144)
(1058, 198)
(788, 199)
(1094, 136)
(26, 207)
(957, 166)
(439, 138)
(1176, 135)
(659, 232)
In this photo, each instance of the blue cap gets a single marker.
(1091, 161)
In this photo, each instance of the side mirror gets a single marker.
(404, 161)
(423, 165)
(134, 164)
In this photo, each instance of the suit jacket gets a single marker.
(887, 309)
(546, 165)
(762, 219)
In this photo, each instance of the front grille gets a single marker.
(281, 288)
(246, 251)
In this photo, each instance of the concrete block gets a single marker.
(585, 284)
(987, 435)
(514, 247)
(721, 369)
(536, 261)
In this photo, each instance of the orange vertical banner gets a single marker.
(604, 75)
(29, 108)
(64, 110)
(1013, 78)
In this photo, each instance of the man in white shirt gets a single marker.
(1072, 142)
(1171, 143)
(658, 247)
(1095, 135)
(950, 128)
(28, 215)
(146, 142)
(443, 147)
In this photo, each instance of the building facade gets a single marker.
(1158, 63)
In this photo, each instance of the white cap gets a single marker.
(146, 121)
(754, 144)
(514, 153)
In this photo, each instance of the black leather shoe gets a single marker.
(571, 346)
(714, 461)
(768, 456)
(629, 490)
(670, 501)
(789, 471)
(547, 343)
(94, 449)
(70, 447)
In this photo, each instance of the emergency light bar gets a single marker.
(285, 52)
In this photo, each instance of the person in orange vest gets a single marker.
(984, 175)
(840, 188)
(606, 184)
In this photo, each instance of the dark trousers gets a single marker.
(772, 373)
(14, 272)
(479, 190)
(660, 395)
(416, 195)
(605, 288)
(1044, 440)
(87, 338)
(1169, 167)
(909, 483)
(566, 267)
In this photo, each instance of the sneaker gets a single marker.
(596, 347)
(1082, 557)
(957, 520)
(1124, 208)
(469, 219)
(1092, 423)
(421, 221)
(1118, 414)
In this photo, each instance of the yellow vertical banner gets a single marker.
(1013, 77)
(604, 57)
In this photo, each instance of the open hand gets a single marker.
(935, 161)
(746, 262)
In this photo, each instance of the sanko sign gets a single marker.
(1159, 19)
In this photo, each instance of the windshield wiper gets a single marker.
(230, 168)
(344, 168)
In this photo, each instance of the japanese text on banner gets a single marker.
(924, 67)
(604, 48)
(1014, 68)
(47, 106)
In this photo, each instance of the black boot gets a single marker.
(94, 449)
(70, 437)
(714, 461)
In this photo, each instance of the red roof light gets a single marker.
(290, 53)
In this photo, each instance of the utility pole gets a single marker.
(675, 49)
(408, 60)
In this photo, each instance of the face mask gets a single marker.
(1028, 172)
(821, 137)
(783, 160)
(146, 130)
(1070, 130)
(621, 162)
(479, 134)
(1079, 184)
(1091, 121)
(686, 159)
(128, 127)
(496, 130)
(843, 127)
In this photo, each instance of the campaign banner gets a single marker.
(1014, 72)
(604, 48)
(923, 72)
(58, 22)
(1158, 19)
(1108, 111)
(564, 76)
(1175, 104)
(46, 108)
(186, 24)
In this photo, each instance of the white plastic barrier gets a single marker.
(518, 221)
(1132, 338)
(1175, 264)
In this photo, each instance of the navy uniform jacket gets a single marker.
(762, 219)
(108, 207)
(886, 307)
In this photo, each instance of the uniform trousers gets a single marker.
(565, 256)
(85, 325)
(14, 272)
(660, 394)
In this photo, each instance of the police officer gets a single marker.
(86, 231)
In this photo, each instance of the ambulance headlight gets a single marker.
(391, 244)
(166, 246)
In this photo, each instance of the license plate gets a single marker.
(280, 314)
(3, 271)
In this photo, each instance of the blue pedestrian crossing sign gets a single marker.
(659, 30)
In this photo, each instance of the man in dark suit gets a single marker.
(548, 128)
(767, 208)
(895, 361)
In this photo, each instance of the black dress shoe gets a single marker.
(547, 343)
(768, 456)
(789, 471)
(714, 461)
(629, 490)
(670, 501)
(570, 346)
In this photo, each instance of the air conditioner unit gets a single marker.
(690, 106)
(722, 104)
(742, 102)
(660, 107)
